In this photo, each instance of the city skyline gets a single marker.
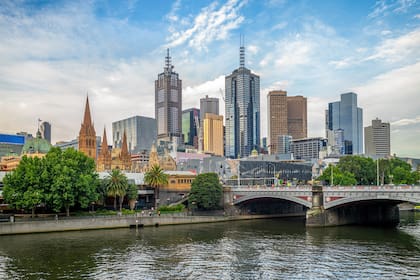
(52, 53)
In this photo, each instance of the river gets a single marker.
(256, 249)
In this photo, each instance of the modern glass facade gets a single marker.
(242, 113)
(190, 125)
(345, 115)
(140, 131)
(11, 144)
(45, 129)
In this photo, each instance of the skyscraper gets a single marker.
(277, 118)
(190, 126)
(87, 134)
(242, 110)
(297, 123)
(287, 115)
(209, 105)
(45, 129)
(168, 103)
(213, 134)
(377, 139)
(345, 115)
(140, 132)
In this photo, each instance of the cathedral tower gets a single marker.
(87, 134)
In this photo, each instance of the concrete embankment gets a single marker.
(109, 222)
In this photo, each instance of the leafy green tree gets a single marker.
(132, 194)
(339, 177)
(364, 169)
(25, 187)
(156, 178)
(117, 186)
(206, 191)
(73, 179)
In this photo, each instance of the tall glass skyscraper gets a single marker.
(242, 111)
(190, 125)
(345, 115)
(168, 103)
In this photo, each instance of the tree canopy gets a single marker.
(117, 185)
(206, 192)
(60, 180)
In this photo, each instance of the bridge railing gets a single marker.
(326, 188)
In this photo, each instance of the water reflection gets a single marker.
(258, 249)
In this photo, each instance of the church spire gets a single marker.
(104, 141)
(124, 147)
(87, 120)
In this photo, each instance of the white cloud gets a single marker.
(417, 16)
(383, 8)
(344, 63)
(209, 25)
(386, 32)
(405, 47)
(191, 94)
(405, 122)
(279, 26)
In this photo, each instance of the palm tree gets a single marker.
(155, 177)
(117, 186)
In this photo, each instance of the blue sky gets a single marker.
(53, 52)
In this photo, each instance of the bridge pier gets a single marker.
(379, 213)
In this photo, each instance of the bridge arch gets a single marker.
(350, 200)
(296, 200)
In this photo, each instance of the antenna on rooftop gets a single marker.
(242, 51)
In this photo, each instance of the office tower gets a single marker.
(45, 129)
(287, 115)
(87, 134)
(378, 139)
(141, 133)
(284, 144)
(308, 148)
(297, 117)
(277, 118)
(345, 115)
(242, 110)
(213, 134)
(168, 103)
(191, 126)
(209, 105)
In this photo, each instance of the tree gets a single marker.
(206, 191)
(132, 194)
(117, 186)
(364, 169)
(155, 177)
(339, 177)
(25, 187)
(73, 179)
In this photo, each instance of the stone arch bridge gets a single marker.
(337, 205)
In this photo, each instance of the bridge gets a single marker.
(328, 206)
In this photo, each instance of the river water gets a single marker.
(257, 249)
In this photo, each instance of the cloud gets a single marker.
(405, 122)
(192, 94)
(417, 16)
(279, 26)
(212, 23)
(405, 47)
(383, 8)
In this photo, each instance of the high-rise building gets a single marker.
(213, 134)
(190, 126)
(277, 118)
(297, 124)
(140, 131)
(378, 139)
(87, 134)
(287, 115)
(168, 103)
(284, 144)
(45, 129)
(308, 148)
(242, 110)
(345, 115)
(207, 105)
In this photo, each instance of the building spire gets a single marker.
(242, 51)
(87, 119)
(124, 147)
(104, 140)
(168, 62)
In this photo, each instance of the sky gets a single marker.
(54, 53)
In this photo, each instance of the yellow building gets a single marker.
(118, 158)
(179, 181)
(166, 162)
(213, 134)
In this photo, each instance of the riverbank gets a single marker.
(126, 221)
